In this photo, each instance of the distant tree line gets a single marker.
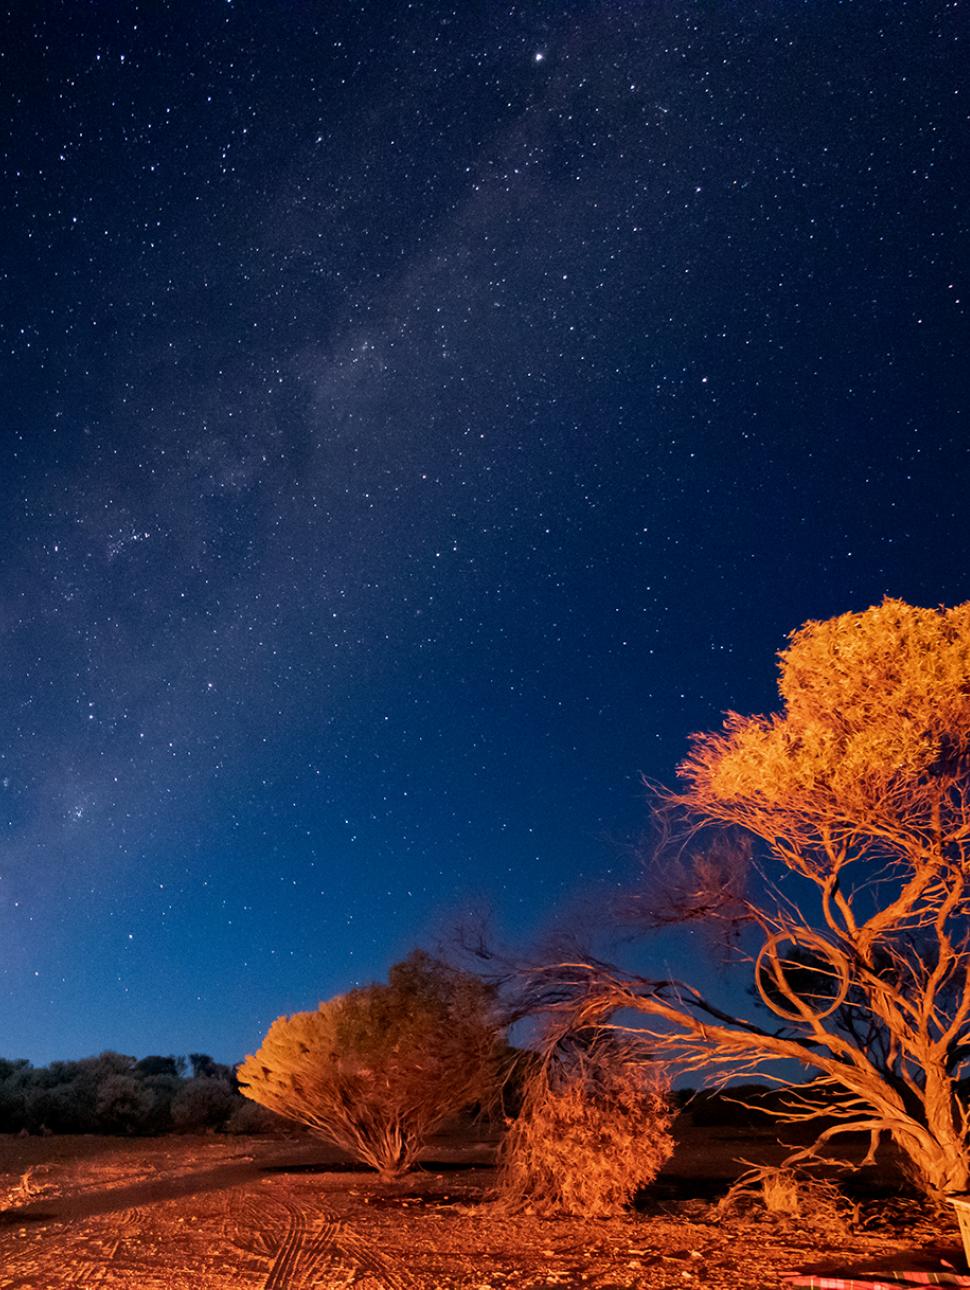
(117, 1094)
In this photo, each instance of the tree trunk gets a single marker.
(938, 1168)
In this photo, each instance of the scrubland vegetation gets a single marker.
(851, 909)
(116, 1094)
(826, 846)
(594, 1128)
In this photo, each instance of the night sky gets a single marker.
(416, 419)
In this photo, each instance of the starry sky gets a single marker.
(416, 420)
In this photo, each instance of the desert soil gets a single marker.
(262, 1214)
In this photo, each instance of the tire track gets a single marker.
(319, 1251)
(305, 1246)
(279, 1277)
(321, 1255)
(248, 1228)
(389, 1274)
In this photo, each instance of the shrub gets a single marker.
(57, 1110)
(249, 1118)
(124, 1104)
(154, 1065)
(205, 1067)
(790, 1193)
(201, 1104)
(85, 1096)
(594, 1128)
(377, 1070)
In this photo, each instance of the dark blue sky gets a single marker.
(416, 420)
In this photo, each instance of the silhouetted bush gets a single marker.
(115, 1093)
(151, 1066)
(201, 1104)
(57, 1110)
(124, 1104)
(249, 1118)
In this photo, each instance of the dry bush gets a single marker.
(378, 1070)
(784, 1192)
(594, 1128)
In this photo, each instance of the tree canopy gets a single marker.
(858, 791)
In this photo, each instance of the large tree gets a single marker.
(377, 1070)
(857, 793)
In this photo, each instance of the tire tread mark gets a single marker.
(301, 1251)
(307, 1252)
(278, 1278)
(389, 1276)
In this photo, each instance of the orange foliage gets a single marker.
(871, 748)
(860, 790)
(377, 1070)
(592, 1131)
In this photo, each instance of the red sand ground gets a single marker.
(219, 1213)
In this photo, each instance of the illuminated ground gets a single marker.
(214, 1213)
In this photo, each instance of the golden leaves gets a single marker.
(874, 727)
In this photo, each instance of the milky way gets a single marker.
(416, 422)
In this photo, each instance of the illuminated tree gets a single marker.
(859, 792)
(376, 1071)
